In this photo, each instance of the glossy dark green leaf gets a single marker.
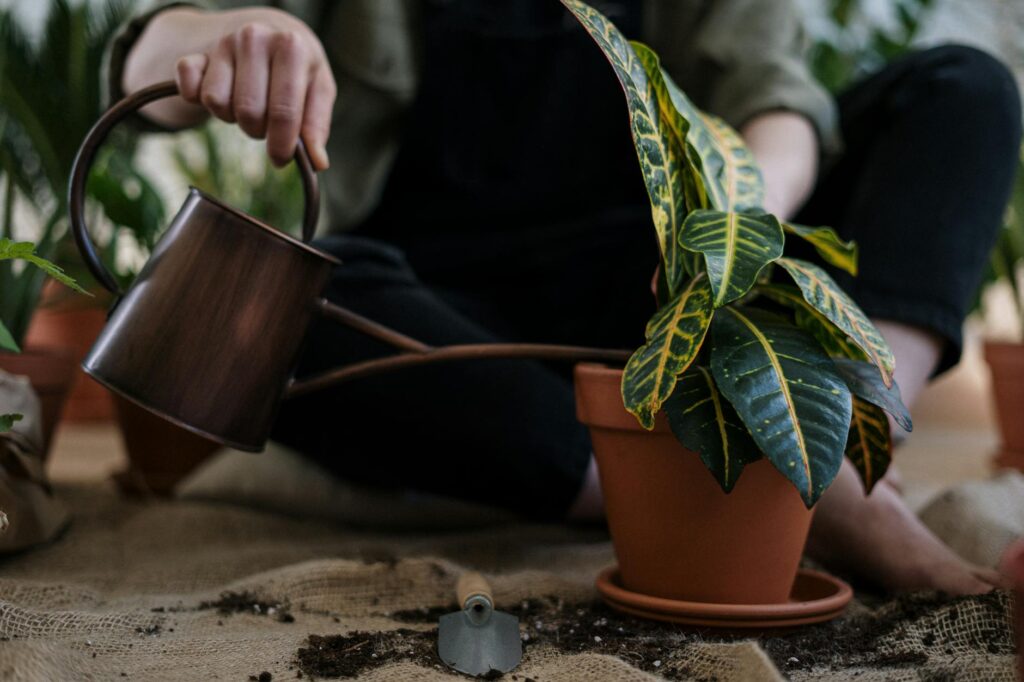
(864, 382)
(674, 336)
(736, 247)
(869, 444)
(821, 291)
(703, 421)
(788, 393)
(834, 340)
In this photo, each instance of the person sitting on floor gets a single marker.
(484, 187)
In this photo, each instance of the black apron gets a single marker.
(519, 137)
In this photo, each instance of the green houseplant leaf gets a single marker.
(788, 393)
(26, 251)
(864, 383)
(738, 186)
(834, 340)
(703, 421)
(869, 445)
(828, 244)
(7, 421)
(659, 134)
(736, 247)
(674, 336)
(7, 341)
(825, 296)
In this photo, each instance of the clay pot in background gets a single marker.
(676, 534)
(160, 454)
(51, 370)
(75, 326)
(1006, 360)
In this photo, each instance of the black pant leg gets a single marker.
(502, 433)
(931, 149)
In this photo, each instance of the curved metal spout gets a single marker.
(416, 353)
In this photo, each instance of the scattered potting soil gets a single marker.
(856, 640)
(262, 677)
(661, 648)
(246, 602)
(349, 655)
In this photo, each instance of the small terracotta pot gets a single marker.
(1006, 360)
(75, 327)
(160, 454)
(676, 534)
(51, 370)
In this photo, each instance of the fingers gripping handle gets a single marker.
(87, 154)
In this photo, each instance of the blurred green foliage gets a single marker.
(237, 171)
(49, 98)
(856, 37)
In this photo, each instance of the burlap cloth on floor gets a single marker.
(121, 595)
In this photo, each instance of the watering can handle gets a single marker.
(87, 154)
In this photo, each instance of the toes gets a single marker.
(992, 578)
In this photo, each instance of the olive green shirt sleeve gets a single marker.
(740, 58)
(121, 44)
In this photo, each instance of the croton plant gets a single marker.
(743, 366)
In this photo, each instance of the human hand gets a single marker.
(270, 75)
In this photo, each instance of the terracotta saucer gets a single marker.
(816, 598)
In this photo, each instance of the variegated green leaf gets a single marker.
(828, 244)
(739, 186)
(821, 291)
(706, 160)
(736, 246)
(730, 177)
(7, 341)
(659, 134)
(674, 336)
(706, 423)
(788, 393)
(864, 382)
(834, 340)
(869, 444)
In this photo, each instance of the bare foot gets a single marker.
(880, 539)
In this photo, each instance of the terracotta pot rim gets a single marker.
(592, 411)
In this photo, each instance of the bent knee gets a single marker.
(974, 80)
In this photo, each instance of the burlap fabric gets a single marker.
(119, 596)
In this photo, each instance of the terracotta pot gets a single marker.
(75, 327)
(51, 371)
(160, 454)
(676, 534)
(1006, 360)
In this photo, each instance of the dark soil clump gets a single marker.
(247, 602)
(349, 655)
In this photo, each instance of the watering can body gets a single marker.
(211, 328)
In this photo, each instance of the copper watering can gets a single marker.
(209, 333)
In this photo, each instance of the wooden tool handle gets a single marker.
(472, 584)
